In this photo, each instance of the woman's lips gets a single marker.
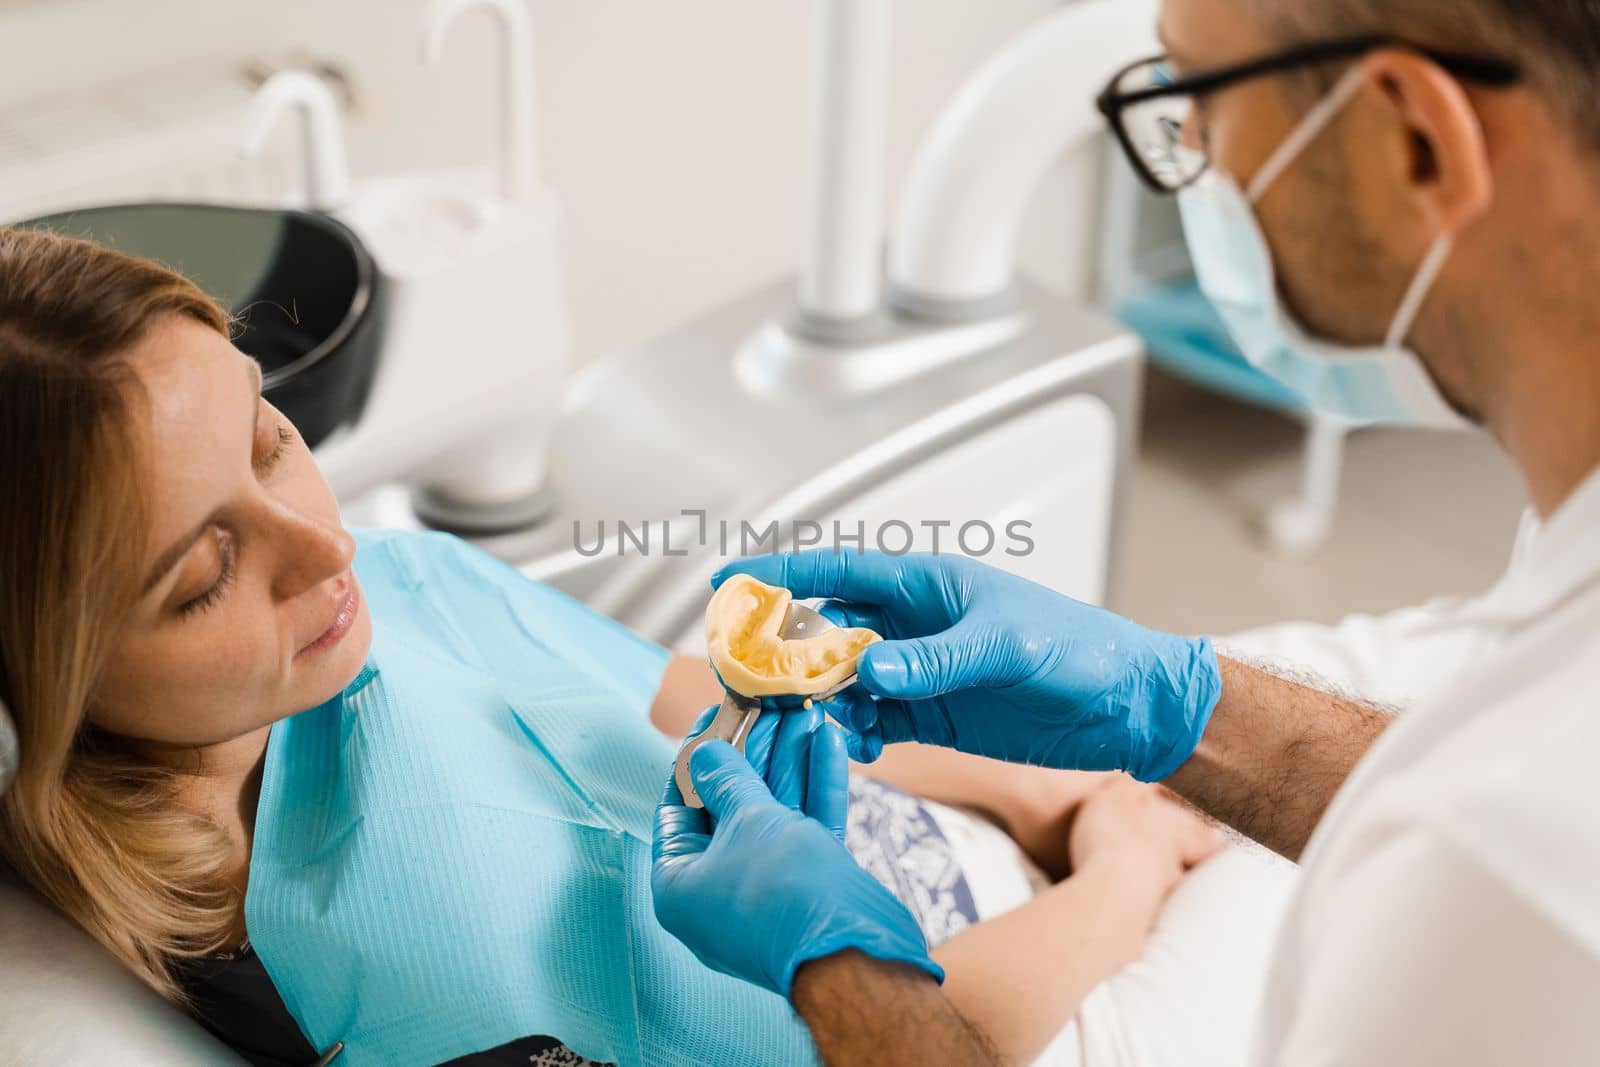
(343, 619)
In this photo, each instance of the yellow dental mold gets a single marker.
(743, 622)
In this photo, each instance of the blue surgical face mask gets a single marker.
(1383, 383)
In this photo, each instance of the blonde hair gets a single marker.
(88, 823)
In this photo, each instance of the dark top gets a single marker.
(235, 999)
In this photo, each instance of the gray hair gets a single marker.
(1555, 43)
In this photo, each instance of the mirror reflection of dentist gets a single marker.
(1396, 209)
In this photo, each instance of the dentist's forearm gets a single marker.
(1274, 754)
(864, 1012)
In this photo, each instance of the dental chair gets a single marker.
(63, 1000)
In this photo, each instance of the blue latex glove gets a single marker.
(772, 885)
(780, 749)
(983, 661)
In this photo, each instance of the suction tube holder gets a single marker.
(327, 177)
(519, 164)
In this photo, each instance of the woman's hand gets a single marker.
(1040, 811)
(1143, 835)
(1020, 976)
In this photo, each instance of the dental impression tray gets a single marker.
(757, 655)
(764, 645)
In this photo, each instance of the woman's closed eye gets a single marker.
(285, 437)
(227, 547)
(228, 558)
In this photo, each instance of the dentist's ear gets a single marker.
(1439, 154)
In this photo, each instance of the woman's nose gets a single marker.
(311, 551)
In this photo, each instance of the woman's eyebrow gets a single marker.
(175, 551)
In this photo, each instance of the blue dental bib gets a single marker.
(454, 852)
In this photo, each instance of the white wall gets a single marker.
(674, 131)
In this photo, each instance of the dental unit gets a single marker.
(478, 345)
(413, 326)
(943, 391)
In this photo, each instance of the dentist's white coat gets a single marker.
(1449, 906)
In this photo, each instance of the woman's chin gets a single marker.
(329, 671)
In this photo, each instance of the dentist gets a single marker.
(1396, 208)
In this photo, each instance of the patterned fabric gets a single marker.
(895, 840)
(557, 1055)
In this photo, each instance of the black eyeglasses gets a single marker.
(1148, 105)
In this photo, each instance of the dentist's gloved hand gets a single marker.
(759, 882)
(983, 661)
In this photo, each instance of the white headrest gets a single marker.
(64, 1002)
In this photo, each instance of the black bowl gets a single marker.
(305, 292)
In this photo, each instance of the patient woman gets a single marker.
(176, 580)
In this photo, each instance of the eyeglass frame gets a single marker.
(1111, 103)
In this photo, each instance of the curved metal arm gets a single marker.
(955, 239)
(519, 169)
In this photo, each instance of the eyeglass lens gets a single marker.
(1155, 127)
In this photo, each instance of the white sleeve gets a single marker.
(1428, 959)
(1389, 659)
